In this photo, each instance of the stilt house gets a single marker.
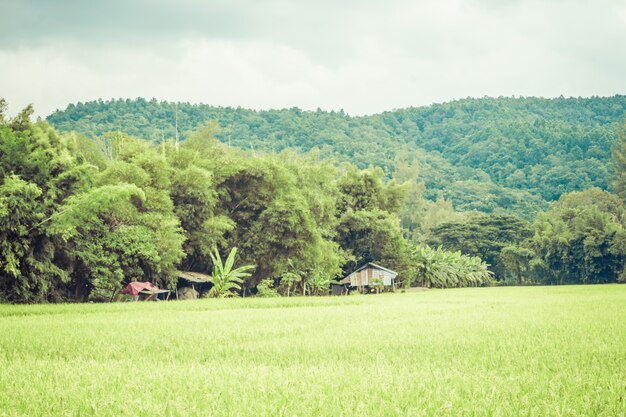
(365, 276)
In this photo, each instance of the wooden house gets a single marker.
(365, 276)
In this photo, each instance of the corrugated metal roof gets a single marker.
(377, 267)
(347, 279)
(194, 276)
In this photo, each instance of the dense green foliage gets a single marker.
(536, 351)
(36, 174)
(81, 217)
(482, 236)
(488, 154)
(581, 239)
(444, 269)
(619, 162)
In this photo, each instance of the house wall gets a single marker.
(388, 277)
(368, 275)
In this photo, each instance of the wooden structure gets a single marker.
(365, 276)
(339, 289)
(195, 277)
(192, 279)
(153, 295)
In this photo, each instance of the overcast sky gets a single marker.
(363, 56)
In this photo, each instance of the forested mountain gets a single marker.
(487, 154)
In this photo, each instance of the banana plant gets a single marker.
(443, 269)
(224, 277)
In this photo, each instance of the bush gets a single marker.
(266, 288)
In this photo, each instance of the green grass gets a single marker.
(534, 351)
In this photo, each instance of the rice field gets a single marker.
(533, 351)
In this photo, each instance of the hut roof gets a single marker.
(346, 280)
(194, 276)
(375, 266)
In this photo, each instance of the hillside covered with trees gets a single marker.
(494, 155)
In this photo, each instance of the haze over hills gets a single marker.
(486, 154)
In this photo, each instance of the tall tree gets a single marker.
(618, 150)
(124, 227)
(37, 172)
(369, 227)
(482, 235)
(413, 209)
(581, 239)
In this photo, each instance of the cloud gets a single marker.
(362, 56)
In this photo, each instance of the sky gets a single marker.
(362, 56)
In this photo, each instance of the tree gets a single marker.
(38, 171)
(291, 277)
(123, 227)
(482, 235)
(372, 236)
(224, 277)
(27, 271)
(195, 199)
(618, 150)
(108, 239)
(366, 190)
(413, 210)
(368, 225)
(288, 279)
(283, 207)
(581, 239)
(266, 288)
(3, 110)
(441, 211)
(517, 263)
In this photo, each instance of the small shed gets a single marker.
(191, 284)
(195, 277)
(365, 276)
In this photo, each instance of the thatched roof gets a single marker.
(194, 276)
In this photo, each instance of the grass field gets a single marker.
(534, 351)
